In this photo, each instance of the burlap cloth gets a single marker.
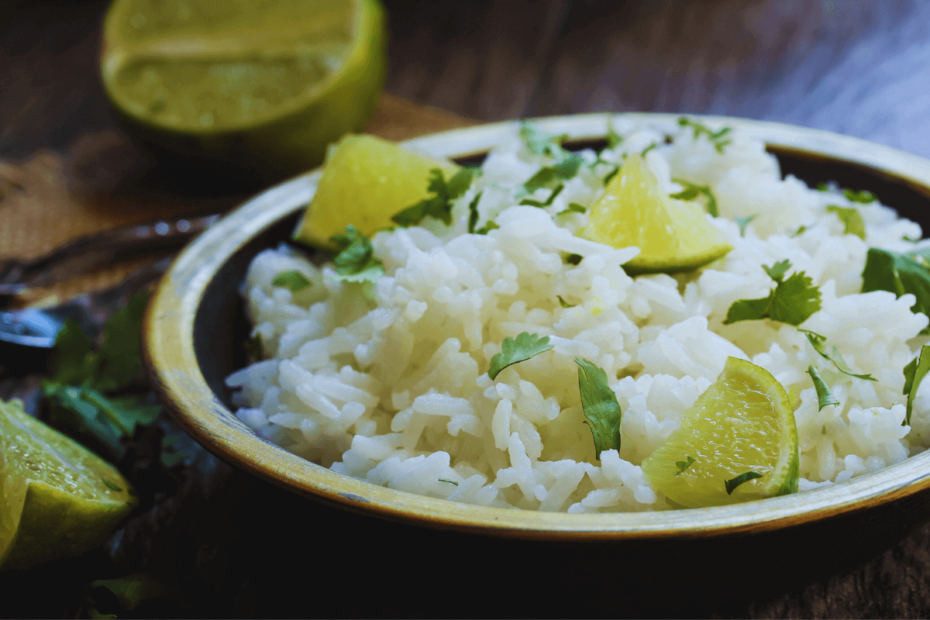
(51, 198)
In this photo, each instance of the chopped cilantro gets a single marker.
(824, 395)
(613, 138)
(356, 261)
(573, 259)
(743, 222)
(740, 479)
(449, 481)
(683, 465)
(540, 142)
(613, 172)
(819, 343)
(513, 351)
(549, 177)
(914, 374)
(823, 187)
(81, 377)
(473, 213)
(899, 274)
(792, 301)
(294, 281)
(861, 196)
(600, 407)
(910, 239)
(801, 229)
(548, 201)
(488, 227)
(574, 207)
(693, 190)
(717, 138)
(648, 148)
(564, 303)
(853, 224)
(438, 206)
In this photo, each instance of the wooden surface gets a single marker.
(856, 67)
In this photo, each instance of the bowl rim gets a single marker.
(171, 363)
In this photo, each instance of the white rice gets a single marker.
(389, 383)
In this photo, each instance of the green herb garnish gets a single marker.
(293, 281)
(853, 224)
(613, 138)
(600, 407)
(743, 222)
(861, 196)
(792, 301)
(716, 137)
(740, 479)
(692, 191)
(683, 465)
(449, 481)
(824, 395)
(899, 274)
(648, 148)
(564, 303)
(81, 378)
(819, 343)
(544, 203)
(438, 206)
(514, 351)
(473, 213)
(540, 142)
(356, 261)
(549, 177)
(914, 374)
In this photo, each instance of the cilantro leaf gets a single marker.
(473, 214)
(914, 374)
(692, 191)
(683, 465)
(540, 142)
(449, 481)
(740, 479)
(824, 395)
(899, 273)
(294, 281)
(647, 149)
(438, 206)
(564, 303)
(861, 196)
(778, 270)
(544, 203)
(717, 138)
(613, 138)
(600, 407)
(119, 359)
(73, 355)
(743, 222)
(488, 227)
(819, 343)
(792, 301)
(853, 224)
(549, 177)
(356, 262)
(574, 207)
(514, 351)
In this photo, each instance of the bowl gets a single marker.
(195, 328)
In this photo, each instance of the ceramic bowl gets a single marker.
(196, 327)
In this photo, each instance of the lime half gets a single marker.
(366, 180)
(671, 235)
(738, 443)
(57, 499)
(265, 84)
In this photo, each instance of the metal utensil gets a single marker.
(96, 250)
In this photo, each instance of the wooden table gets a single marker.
(855, 67)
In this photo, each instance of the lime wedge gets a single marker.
(671, 235)
(365, 181)
(259, 83)
(743, 423)
(57, 499)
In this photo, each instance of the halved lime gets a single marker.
(671, 235)
(737, 443)
(365, 181)
(57, 499)
(266, 84)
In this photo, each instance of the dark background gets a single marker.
(855, 67)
